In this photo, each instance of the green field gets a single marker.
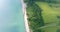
(50, 16)
(43, 17)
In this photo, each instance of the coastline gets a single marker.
(25, 16)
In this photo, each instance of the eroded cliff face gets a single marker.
(43, 15)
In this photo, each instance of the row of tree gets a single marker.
(35, 18)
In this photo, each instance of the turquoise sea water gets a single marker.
(11, 16)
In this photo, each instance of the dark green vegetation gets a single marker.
(35, 18)
(42, 17)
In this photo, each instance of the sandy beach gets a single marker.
(25, 16)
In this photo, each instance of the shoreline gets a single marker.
(25, 16)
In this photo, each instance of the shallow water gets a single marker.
(11, 16)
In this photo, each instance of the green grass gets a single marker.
(42, 17)
(49, 16)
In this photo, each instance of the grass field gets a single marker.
(50, 16)
(45, 21)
